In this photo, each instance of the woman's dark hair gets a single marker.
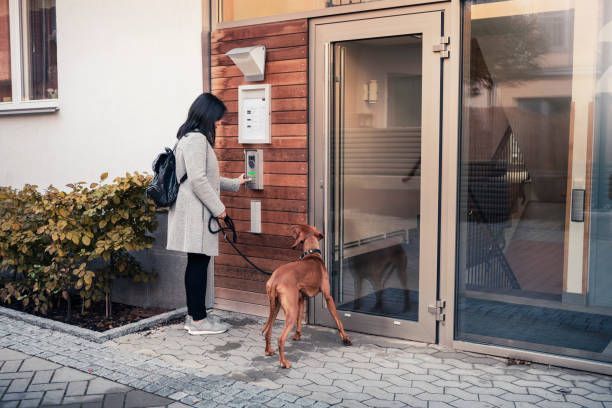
(203, 113)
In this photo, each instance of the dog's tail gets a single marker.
(271, 291)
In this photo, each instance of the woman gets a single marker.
(198, 199)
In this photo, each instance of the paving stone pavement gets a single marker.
(231, 370)
(27, 381)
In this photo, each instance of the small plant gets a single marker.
(50, 241)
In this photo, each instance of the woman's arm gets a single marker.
(229, 184)
(194, 153)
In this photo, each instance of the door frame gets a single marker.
(321, 104)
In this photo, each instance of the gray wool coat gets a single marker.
(198, 197)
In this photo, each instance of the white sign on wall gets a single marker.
(254, 113)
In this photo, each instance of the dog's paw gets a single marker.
(297, 337)
(347, 342)
(269, 353)
(286, 364)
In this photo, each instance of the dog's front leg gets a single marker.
(331, 306)
(290, 318)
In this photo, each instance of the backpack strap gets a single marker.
(182, 180)
(177, 142)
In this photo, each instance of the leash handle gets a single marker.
(230, 225)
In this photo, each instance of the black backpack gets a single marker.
(164, 187)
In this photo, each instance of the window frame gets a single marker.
(18, 105)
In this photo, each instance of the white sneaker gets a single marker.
(207, 326)
(188, 321)
(215, 319)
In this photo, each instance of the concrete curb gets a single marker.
(98, 337)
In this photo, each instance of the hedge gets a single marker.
(50, 240)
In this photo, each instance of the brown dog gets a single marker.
(289, 286)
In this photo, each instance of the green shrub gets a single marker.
(50, 241)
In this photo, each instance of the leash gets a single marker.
(231, 227)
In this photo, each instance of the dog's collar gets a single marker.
(310, 252)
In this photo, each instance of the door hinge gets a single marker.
(442, 47)
(438, 310)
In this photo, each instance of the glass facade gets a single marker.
(600, 261)
(535, 206)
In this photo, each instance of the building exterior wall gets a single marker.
(284, 198)
(128, 70)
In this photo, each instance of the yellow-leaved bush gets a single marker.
(55, 244)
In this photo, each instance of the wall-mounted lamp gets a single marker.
(250, 60)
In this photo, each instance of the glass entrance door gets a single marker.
(380, 144)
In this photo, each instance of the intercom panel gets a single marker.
(253, 163)
(254, 114)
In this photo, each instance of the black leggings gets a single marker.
(195, 284)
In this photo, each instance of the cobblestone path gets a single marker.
(230, 370)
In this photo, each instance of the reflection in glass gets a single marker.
(40, 58)
(232, 10)
(527, 90)
(600, 262)
(6, 92)
(376, 176)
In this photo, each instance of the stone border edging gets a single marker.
(91, 335)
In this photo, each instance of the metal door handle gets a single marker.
(578, 205)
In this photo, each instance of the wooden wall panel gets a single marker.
(264, 30)
(284, 198)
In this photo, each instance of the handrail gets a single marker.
(494, 189)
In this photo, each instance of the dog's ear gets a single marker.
(318, 234)
(298, 234)
(313, 231)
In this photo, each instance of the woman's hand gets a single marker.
(222, 215)
(243, 179)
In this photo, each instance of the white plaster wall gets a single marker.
(128, 71)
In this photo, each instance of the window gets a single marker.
(234, 10)
(28, 56)
(5, 54)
